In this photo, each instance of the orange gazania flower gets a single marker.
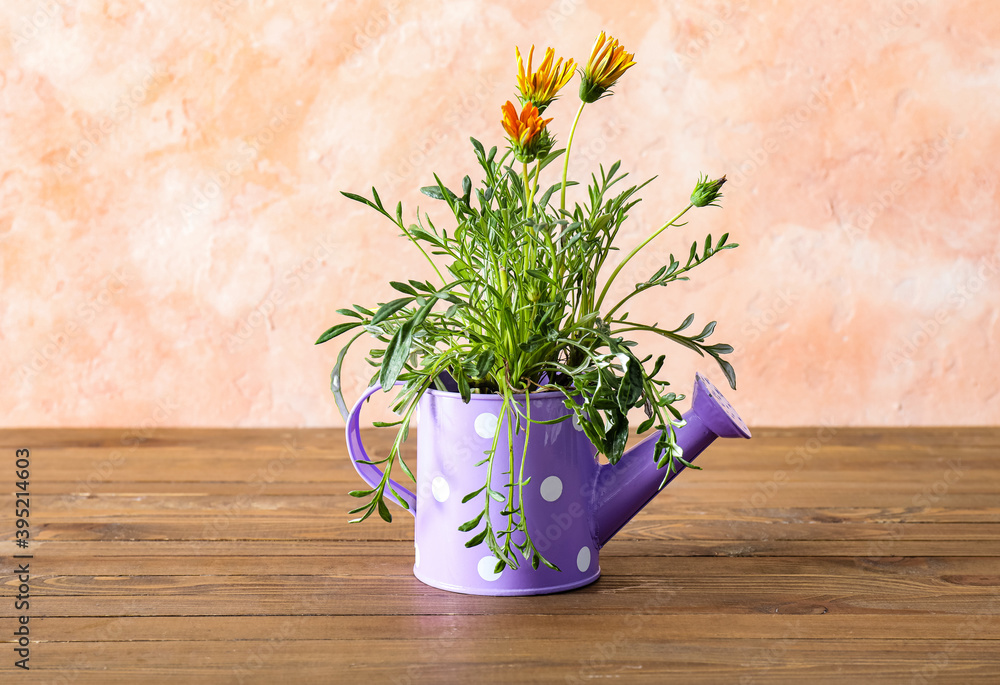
(607, 63)
(527, 131)
(540, 87)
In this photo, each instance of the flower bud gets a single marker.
(706, 192)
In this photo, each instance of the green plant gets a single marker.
(520, 304)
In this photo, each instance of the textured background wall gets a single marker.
(172, 239)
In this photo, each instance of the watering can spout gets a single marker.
(624, 488)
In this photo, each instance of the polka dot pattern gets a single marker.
(486, 566)
(551, 489)
(440, 489)
(486, 425)
(583, 559)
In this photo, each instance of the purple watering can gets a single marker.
(573, 504)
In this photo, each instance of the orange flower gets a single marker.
(607, 63)
(527, 133)
(540, 87)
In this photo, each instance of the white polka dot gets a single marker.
(416, 555)
(551, 488)
(583, 559)
(486, 425)
(486, 566)
(440, 489)
(576, 423)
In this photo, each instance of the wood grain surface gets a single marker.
(225, 556)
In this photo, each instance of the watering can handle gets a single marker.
(370, 473)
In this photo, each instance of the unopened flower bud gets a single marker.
(706, 192)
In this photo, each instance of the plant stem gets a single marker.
(633, 253)
(534, 185)
(420, 247)
(527, 197)
(569, 144)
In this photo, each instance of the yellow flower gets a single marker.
(527, 133)
(540, 87)
(607, 63)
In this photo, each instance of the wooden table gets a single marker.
(225, 556)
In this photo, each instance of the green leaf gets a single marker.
(484, 364)
(399, 346)
(473, 494)
(550, 564)
(463, 384)
(359, 198)
(435, 192)
(730, 372)
(471, 523)
(390, 308)
(402, 501)
(360, 493)
(340, 328)
(631, 385)
(477, 540)
(403, 287)
(383, 511)
(707, 331)
(544, 200)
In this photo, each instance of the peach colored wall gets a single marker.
(172, 239)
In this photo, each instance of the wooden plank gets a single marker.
(622, 545)
(653, 659)
(340, 592)
(465, 627)
(947, 569)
